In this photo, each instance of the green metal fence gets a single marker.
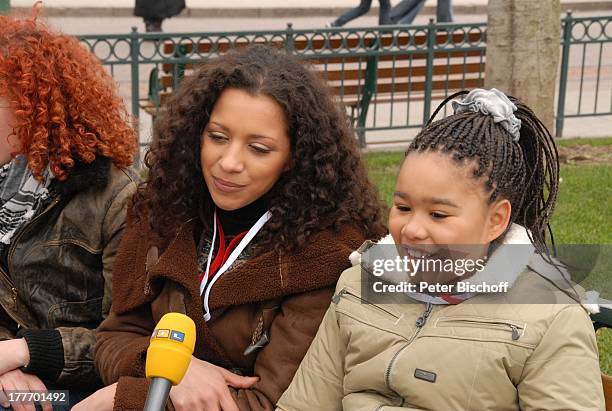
(585, 81)
(5, 6)
(387, 77)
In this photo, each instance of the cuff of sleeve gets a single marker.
(46, 353)
(131, 394)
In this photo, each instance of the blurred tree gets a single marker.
(523, 52)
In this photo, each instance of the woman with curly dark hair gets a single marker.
(65, 145)
(256, 196)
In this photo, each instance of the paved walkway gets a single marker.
(268, 8)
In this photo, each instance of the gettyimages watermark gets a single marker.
(518, 272)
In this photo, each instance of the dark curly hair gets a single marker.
(525, 172)
(327, 185)
(65, 103)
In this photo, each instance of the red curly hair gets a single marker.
(65, 104)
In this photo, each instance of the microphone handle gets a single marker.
(159, 390)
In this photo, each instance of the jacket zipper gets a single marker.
(514, 329)
(11, 251)
(420, 322)
(11, 285)
(345, 293)
(7, 280)
(515, 333)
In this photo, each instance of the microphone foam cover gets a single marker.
(171, 347)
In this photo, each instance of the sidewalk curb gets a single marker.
(601, 5)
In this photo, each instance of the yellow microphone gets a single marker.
(168, 357)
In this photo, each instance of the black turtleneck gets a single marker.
(236, 221)
(233, 222)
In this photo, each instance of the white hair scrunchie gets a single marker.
(494, 103)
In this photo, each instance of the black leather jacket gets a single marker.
(55, 280)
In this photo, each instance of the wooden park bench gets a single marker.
(386, 68)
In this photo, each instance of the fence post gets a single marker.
(368, 90)
(178, 69)
(5, 6)
(135, 77)
(289, 46)
(431, 41)
(135, 74)
(567, 37)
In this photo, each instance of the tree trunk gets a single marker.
(523, 46)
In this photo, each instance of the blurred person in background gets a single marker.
(406, 11)
(153, 12)
(363, 8)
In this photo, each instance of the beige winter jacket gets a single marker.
(482, 354)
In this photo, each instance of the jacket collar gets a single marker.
(84, 176)
(504, 265)
(269, 274)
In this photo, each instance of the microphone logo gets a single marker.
(172, 334)
(177, 336)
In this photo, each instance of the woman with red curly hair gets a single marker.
(65, 148)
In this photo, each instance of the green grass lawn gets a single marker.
(582, 215)
(564, 142)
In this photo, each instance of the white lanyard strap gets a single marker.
(230, 260)
(210, 253)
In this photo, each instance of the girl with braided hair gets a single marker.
(481, 182)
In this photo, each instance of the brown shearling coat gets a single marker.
(287, 294)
